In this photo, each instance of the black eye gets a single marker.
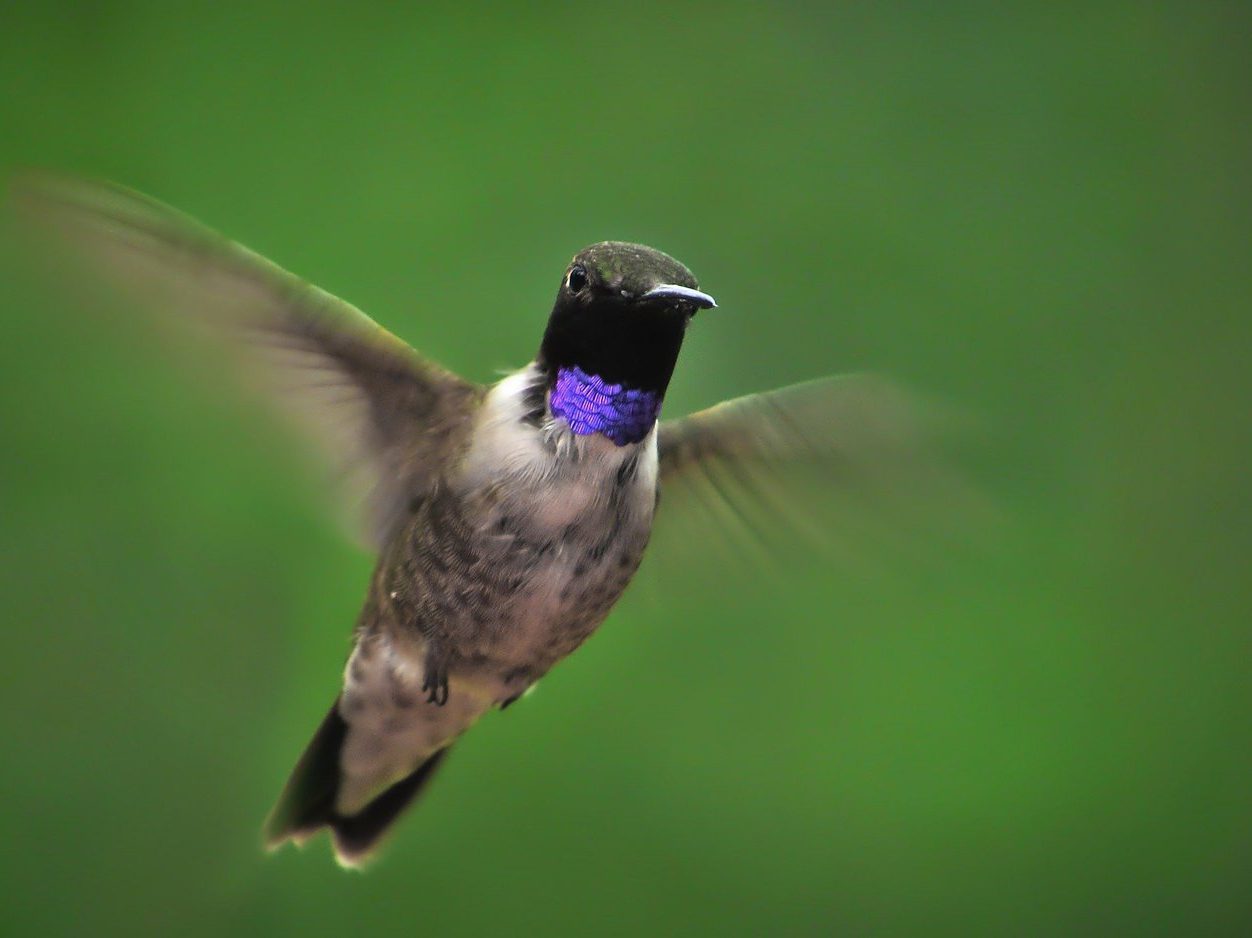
(577, 278)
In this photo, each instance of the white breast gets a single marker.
(565, 473)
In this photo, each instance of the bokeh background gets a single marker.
(1037, 212)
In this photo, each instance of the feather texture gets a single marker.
(381, 415)
(838, 461)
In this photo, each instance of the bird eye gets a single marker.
(577, 278)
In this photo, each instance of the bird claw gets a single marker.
(435, 682)
(504, 704)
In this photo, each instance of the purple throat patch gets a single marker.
(591, 405)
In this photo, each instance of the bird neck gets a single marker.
(589, 404)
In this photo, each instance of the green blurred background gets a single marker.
(1039, 212)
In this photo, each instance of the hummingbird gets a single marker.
(507, 519)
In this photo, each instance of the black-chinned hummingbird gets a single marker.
(507, 520)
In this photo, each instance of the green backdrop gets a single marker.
(1038, 212)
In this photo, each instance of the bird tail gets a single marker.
(308, 802)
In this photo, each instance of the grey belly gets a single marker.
(498, 597)
(562, 603)
(502, 596)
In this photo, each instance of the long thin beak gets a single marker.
(672, 291)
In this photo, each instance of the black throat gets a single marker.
(622, 345)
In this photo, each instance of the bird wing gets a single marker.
(837, 460)
(383, 416)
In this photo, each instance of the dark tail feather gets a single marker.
(356, 836)
(308, 799)
(307, 803)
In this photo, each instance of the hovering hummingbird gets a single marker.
(507, 519)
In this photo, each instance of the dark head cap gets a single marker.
(620, 313)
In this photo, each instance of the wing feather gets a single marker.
(383, 416)
(839, 463)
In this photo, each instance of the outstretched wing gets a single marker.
(384, 416)
(835, 461)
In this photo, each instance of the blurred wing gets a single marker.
(383, 415)
(839, 463)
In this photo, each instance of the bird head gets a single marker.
(620, 314)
